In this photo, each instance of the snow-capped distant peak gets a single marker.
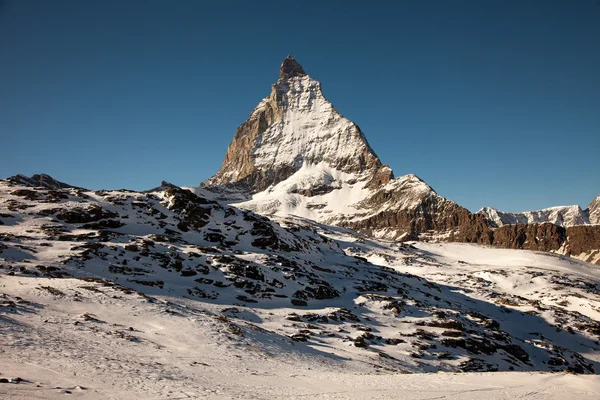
(560, 215)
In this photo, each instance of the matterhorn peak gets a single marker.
(293, 126)
(290, 68)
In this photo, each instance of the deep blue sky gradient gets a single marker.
(491, 102)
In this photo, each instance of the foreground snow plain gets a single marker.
(98, 342)
(243, 307)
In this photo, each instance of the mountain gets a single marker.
(252, 285)
(296, 155)
(567, 230)
(126, 278)
(295, 126)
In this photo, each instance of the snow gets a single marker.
(346, 198)
(310, 130)
(151, 310)
(135, 348)
(285, 198)
(169, 295)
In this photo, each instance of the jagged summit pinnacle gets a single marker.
(290, 68)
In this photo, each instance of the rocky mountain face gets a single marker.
(279, 286)
(568, 229)
(594, 211)
(296, 155)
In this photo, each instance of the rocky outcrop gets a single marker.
(41, 180)
(583, 239)
(432, 215)
(290, 68)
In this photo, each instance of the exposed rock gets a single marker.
(544, 237)
(290, 68)
(85, 215)
(583, 238)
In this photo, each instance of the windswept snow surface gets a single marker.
(343, 195)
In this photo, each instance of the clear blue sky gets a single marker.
(492, 103)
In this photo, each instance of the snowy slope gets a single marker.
(342, 196)
(368, 301)
(118, 294)
(561, 215)
(96, 341)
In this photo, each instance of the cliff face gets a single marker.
(431, 215)
(542, 237)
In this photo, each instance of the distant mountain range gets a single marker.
(561, 215)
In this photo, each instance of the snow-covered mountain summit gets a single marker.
(294, 126)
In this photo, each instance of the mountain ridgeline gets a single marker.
(296, 154)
